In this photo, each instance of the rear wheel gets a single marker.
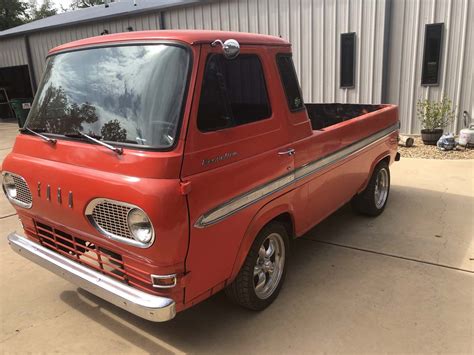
(373, 199)
(261, 277)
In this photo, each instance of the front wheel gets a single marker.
(373, 199)
(263, 272)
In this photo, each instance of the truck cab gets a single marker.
(157, 168)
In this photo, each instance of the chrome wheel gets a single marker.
(381, 188)
(269, 266)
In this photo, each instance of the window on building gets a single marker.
(347, 74)
(290, 81)
(432, 54)
(233, 93)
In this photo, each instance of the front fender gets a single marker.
(266, 214)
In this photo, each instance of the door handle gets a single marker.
(289, 151)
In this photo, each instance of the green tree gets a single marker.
(12, 13)
(46, 9)
(80, 4)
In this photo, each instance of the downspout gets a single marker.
(386, 43)
(31, 69)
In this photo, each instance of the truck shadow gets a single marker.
(321, 279)
(214, 325)
(425, 225)
(190, 330)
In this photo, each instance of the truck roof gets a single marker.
(187, 36)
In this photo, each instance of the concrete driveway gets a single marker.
(402, 282)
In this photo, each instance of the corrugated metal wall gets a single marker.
(13, 52)
(406, 54)
(42, 42)
(314, 28)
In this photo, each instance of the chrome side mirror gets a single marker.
(231, 47)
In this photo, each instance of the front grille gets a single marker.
(92, 255)
(23, 193)
(112, 218)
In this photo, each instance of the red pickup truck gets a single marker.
(158, 168)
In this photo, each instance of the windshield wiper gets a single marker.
(47, 139)
(117, 150)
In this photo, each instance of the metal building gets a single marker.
(377, 45)
(409, 20)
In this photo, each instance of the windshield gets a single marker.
(130, 94)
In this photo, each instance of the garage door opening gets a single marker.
(14, 84)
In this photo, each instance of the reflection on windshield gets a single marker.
(111, 131)
(61, 116)
(131, 94)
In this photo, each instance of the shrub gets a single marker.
(435, 114)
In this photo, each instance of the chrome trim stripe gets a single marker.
(317, 165)
(240, 202)
(142, 304)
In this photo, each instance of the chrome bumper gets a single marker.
(144, 305)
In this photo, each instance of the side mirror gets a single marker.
(231, 47)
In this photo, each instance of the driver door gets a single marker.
(234, 146)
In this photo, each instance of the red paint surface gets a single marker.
(210, 256)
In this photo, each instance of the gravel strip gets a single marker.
(419, 150)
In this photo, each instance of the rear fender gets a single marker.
(385, 155)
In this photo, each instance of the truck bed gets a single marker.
(325, 115)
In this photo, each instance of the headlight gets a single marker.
(121, 221)
(140, 225)
(9, 186)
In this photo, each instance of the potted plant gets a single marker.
(434, 116)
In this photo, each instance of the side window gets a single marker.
(233, 93)
(290, 81)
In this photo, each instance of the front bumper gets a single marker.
(144, 305)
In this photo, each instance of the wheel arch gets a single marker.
(385, 156)
(281, 212)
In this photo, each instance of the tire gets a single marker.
(373, 199)
(261, 277)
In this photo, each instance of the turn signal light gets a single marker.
(164, 281)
